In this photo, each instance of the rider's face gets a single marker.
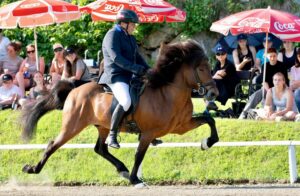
(131, 28)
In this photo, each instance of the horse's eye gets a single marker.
(201, 69)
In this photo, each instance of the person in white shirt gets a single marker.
(4, 41)
(295, 79)
(8, 91)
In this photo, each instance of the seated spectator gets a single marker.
(272, 67)
(244, 55)
(225, 76)
(287, 54)
(58, 63)
(295, 80)
(4, 42)
(261, 53)
(28, 68)
(8, 91)
(75, 69)
(12, 62)
(259, 62)
(279, 101)
(39, 89)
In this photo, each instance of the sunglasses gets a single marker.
(59, 49)
(30, 51)
(220, 53)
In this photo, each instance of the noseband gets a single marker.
(202, 90)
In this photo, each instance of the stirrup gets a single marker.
(111, 142)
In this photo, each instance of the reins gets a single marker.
(202, 86)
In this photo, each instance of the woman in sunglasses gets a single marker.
(225, 76)
(58, 63)
(28, 68)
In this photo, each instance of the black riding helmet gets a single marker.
(127, 16)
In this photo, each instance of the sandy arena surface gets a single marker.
(222, 190)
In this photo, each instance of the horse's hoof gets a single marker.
(28, 169)
(204, 145)
(124, 174)
(141, 185)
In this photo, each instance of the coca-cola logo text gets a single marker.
(154, 2)
(252, 22)
(284, 27)
(30, 5)
(113, 8)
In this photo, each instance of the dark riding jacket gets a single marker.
(121, 57)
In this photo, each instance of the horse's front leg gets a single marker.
(139, 156)
(198, 121)
(214, 138)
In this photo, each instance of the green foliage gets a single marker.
(86, 34)
(172, 165)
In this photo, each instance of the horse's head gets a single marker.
(188, 59)
(197, 72)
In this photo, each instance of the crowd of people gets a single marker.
(22, 80)
(280, 90)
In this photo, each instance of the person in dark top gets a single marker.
(243, 55)
(287, 54)
(272, 67)
(121, 62)
(225, 76)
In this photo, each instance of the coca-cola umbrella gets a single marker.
(149, 11)
(34, 13)
(283, 25)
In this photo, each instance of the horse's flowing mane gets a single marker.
(171, 58)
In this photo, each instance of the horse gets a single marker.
(165, 107)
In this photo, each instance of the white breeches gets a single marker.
(121, 92)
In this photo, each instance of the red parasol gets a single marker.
(149, 11)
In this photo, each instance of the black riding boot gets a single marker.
(116, 118)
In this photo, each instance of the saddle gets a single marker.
(136, 89)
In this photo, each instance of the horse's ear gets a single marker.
(162, 47)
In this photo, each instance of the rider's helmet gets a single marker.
(127, 16)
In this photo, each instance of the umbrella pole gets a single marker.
(36, 50)
(265, 62)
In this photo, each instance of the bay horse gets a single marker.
(165, 107)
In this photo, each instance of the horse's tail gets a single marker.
(54, 100)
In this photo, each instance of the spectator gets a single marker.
(261, 53)
(244, 55)
(75, 69)
(287, 54)
(225, 76)
(12, 62)
(39, 89)
(295, 79)
(4, 42)
(28, 67)
(58, 63)
(8, 91)
(279, 101)
(272, 67)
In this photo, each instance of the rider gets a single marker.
(121, 61)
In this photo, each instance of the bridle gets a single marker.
(202, 90)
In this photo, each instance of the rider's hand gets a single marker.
(141, 71)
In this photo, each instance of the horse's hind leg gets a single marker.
(60, 140)
(102, 149)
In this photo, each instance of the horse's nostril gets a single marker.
(212, 94)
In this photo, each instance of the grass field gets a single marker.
(161, 165)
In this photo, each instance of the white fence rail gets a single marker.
(290, 144)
